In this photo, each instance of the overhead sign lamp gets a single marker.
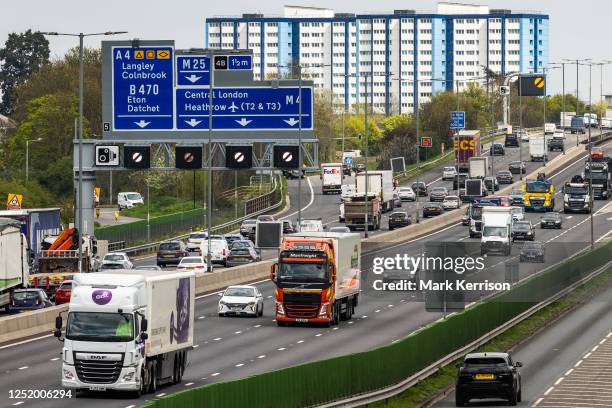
(238, 157)
(137, 157)
(188, 157)
(286, 157)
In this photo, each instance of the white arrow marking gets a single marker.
(193, 78)
(291, 121)
(193, 122)
(243, 121)
(233, 107)
(142, 124)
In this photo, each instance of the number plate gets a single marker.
(301, 320)
(97, 388)
(485, 376)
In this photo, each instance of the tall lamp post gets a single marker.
(27, 169)
(80, 176)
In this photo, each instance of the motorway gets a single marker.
(230, 348)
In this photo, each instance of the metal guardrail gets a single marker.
(398, 388)
(258, 209)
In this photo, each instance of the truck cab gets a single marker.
(539, 195)
(577, 125)
(576, 197)
(496, 230)
(600, 173)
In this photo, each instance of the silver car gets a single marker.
(241, 300)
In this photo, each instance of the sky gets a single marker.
(578, 29)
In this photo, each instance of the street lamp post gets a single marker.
(80, 140)
(209, 172)
(27, 169)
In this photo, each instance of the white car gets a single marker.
(118, 257)
(347, 191)
(559, 134)
(406, 194)
(219, 250)
(311, 226)
(448, 173)
(524, 135)
(518, 213)
(129, 200)
(192, 264)
(451, 202)
(195, 240)
(341, 216)
(241, 300)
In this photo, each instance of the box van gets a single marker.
(129, 200)
(219, 250)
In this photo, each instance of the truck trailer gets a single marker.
(127, 331)
(467, 144)
(478, 167)
(331, 176)
(318, 278)
(538, 149)
(14, 268)
(380, 183)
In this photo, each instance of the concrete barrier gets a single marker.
(42, 322)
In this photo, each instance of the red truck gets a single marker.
(467, 144)
(317, 277)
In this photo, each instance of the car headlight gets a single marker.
(279, 308)
(251, 303)
(68, 375)
(323, 311)
(129, 376)
(222, 303)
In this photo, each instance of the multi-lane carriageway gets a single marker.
(230, 348)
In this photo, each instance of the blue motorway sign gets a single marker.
(457, 120)
(193, 70)
(143, 84)
(244, 108)
(240, 62)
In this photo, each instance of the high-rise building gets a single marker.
(399, 55)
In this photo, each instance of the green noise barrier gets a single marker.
(341, 377)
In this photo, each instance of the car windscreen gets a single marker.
(242, 292)
(551, 216)
(134, 196)
(113, 257)
(192, 260)
(169, 246)
(94, 326)
(485, 361)
(198, 235)
(489, 231)
(521, 226)
(532, 246)
(25, 295)
(537, 187)
(239, 252)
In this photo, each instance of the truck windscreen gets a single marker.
(302, 272)
(576, 190)
(537, 187)
(500, 232)
(93, 326)
(596, 176)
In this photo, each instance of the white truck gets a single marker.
(331, 176)
(496, 230)
(479, 167)
(566, 119)
(538, 147)
(549, 128)
(14, 269)
(380, 182)
(127, 331)
(606, 123)
(590, 120)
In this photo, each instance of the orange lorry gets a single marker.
(317, 277)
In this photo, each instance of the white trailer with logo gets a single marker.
(331, 176)
(127, 331)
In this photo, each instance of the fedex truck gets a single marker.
(331, 176)
(127, 331)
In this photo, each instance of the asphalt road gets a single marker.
(568, 364)
(229, 348)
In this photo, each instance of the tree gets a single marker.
(23, 55)
(399, 139)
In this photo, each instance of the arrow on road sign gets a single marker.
(193, 122)
(291, 121)
(142, 124)
(243, 122)
(193, 78)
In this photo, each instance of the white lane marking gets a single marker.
(161, 395)
(609, 219)
(281, 349)
(578, 363)
(587, 355)
(21, 402)
(377, 311)
(549, 390)
(257, 326)
(22, 368)
(390, 306)
(312, 196)
(262, 356)
(603, 341)
(318, 335)
(434, 181)
(335, 328)
(54, 359)
(300, 341)
(238, 332)
(559, 381)
(569, 217)
(365, 317)
(196, 345)
(568, 372)
(239, 365)
(218, 338)
(215, 374)
(535, 404)
(130, 406)
(188, 384)
(594, 348)
(269, 297)
(26, 341)
(201, 317)
(351, 322)
(609, 334)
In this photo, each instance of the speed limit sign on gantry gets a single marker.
(504, 90)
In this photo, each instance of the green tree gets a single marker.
(399, 139)
(23, 55)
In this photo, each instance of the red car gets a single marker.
(62, 294)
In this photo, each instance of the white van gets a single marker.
(219, 250)
(129, 200)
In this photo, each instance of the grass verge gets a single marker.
(428, 389)
(159, 206)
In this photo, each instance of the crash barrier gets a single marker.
(42, 321)
(256, 206)
(308, 385)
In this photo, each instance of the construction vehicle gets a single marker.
(317, 277)
(355, 212)
(63, 254)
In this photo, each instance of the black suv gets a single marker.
(419, 188)
(512, 139)
(399, 219)
(556, 144)
(488, 375)
(497, 149)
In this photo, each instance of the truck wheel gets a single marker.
(346, 314)
(141, 390)
(175, 370)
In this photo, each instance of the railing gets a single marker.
(257, 207)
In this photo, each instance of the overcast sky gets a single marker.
(578, 29)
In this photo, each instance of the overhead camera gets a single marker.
(107, 155)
